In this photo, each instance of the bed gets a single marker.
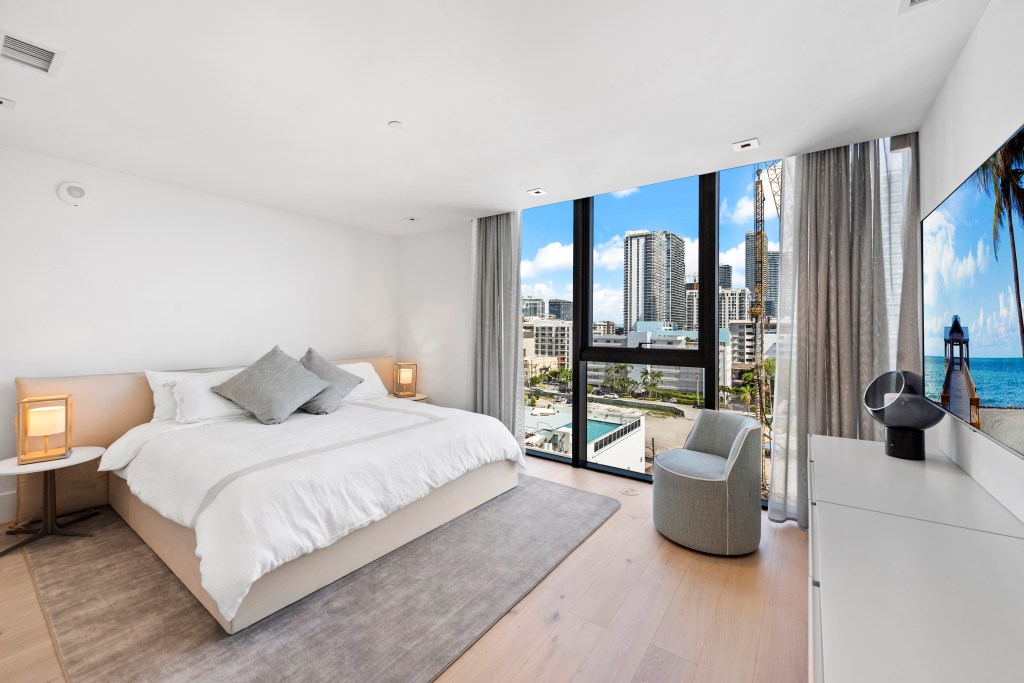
(440, 463)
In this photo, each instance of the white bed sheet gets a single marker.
(258, 496)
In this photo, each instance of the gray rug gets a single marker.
(118, 614)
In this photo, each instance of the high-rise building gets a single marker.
(654, 277)
(749, 254)
(548, 338)
(725, 276)
(560, 309)
(733, 304)
(533, 307)
(691, 312)
(771, 285)
(603, 327)
(741, 338)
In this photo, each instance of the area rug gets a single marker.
(118, 614)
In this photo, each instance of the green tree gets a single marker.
(1002, 178)
(745, 394)
(617, 378)
(650, 379)
(536, 380)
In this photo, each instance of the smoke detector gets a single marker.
(29, 54)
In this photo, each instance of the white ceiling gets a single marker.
(285, 103)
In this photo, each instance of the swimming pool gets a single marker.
(597, 428)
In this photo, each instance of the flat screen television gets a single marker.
(973, 252)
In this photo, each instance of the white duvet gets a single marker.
(259, 495)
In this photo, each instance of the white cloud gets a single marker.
(692, 256)
(982, 256)
(741, 213)
(545, 290)
(942, 268)
(619, 194)
(553, 256)
(609, 254)
(607, 302)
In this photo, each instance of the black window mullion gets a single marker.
(583, 350)
(582, 287)
(708, 303)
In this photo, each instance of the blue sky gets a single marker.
(962, 276)
(547, 234)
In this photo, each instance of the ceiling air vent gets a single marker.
(26, 54)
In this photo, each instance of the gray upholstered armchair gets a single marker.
(707, 495)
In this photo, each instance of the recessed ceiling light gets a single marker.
(744, 145)
(396, 125)
(536, 192)
(411, 218)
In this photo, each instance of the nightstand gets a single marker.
(48, 526)
(417, 397)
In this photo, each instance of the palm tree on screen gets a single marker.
(1002, 177)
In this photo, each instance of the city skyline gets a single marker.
(546, 266)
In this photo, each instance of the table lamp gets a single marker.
(405, 380)
(43, 417)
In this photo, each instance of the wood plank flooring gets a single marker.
(627, 605)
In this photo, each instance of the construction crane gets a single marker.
(758, 309)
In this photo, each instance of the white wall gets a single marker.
(154, 276)
(978, 108)
(435, 326)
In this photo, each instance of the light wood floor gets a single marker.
(627, 605)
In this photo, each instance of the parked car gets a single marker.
(611, 395)
(561, 399)
(673, 399)
(597, 392)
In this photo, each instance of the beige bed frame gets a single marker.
(106, 406)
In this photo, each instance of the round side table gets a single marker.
(417, 397)
(48, 526)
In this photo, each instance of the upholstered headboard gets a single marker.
(104, 407)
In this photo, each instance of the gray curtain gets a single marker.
(497, 388)
(846, 214)
(909, 347)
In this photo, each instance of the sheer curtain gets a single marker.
(497, 388)
(848, 292)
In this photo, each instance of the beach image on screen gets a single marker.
(973, 321)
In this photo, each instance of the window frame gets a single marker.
(704, 357)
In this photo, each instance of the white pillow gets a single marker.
(196, 400)
(164, 407)
(370, 388)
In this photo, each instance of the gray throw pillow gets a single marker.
(273, 387)
(342, 383)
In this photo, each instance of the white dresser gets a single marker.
(916, 572)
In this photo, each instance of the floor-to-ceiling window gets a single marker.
(623, 345)
(547, 307)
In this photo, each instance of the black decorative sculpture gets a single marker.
(896, 400)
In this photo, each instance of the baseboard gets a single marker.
(8, 505)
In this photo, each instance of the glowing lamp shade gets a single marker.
(46, 421)
(39, 419)
(405, 380)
